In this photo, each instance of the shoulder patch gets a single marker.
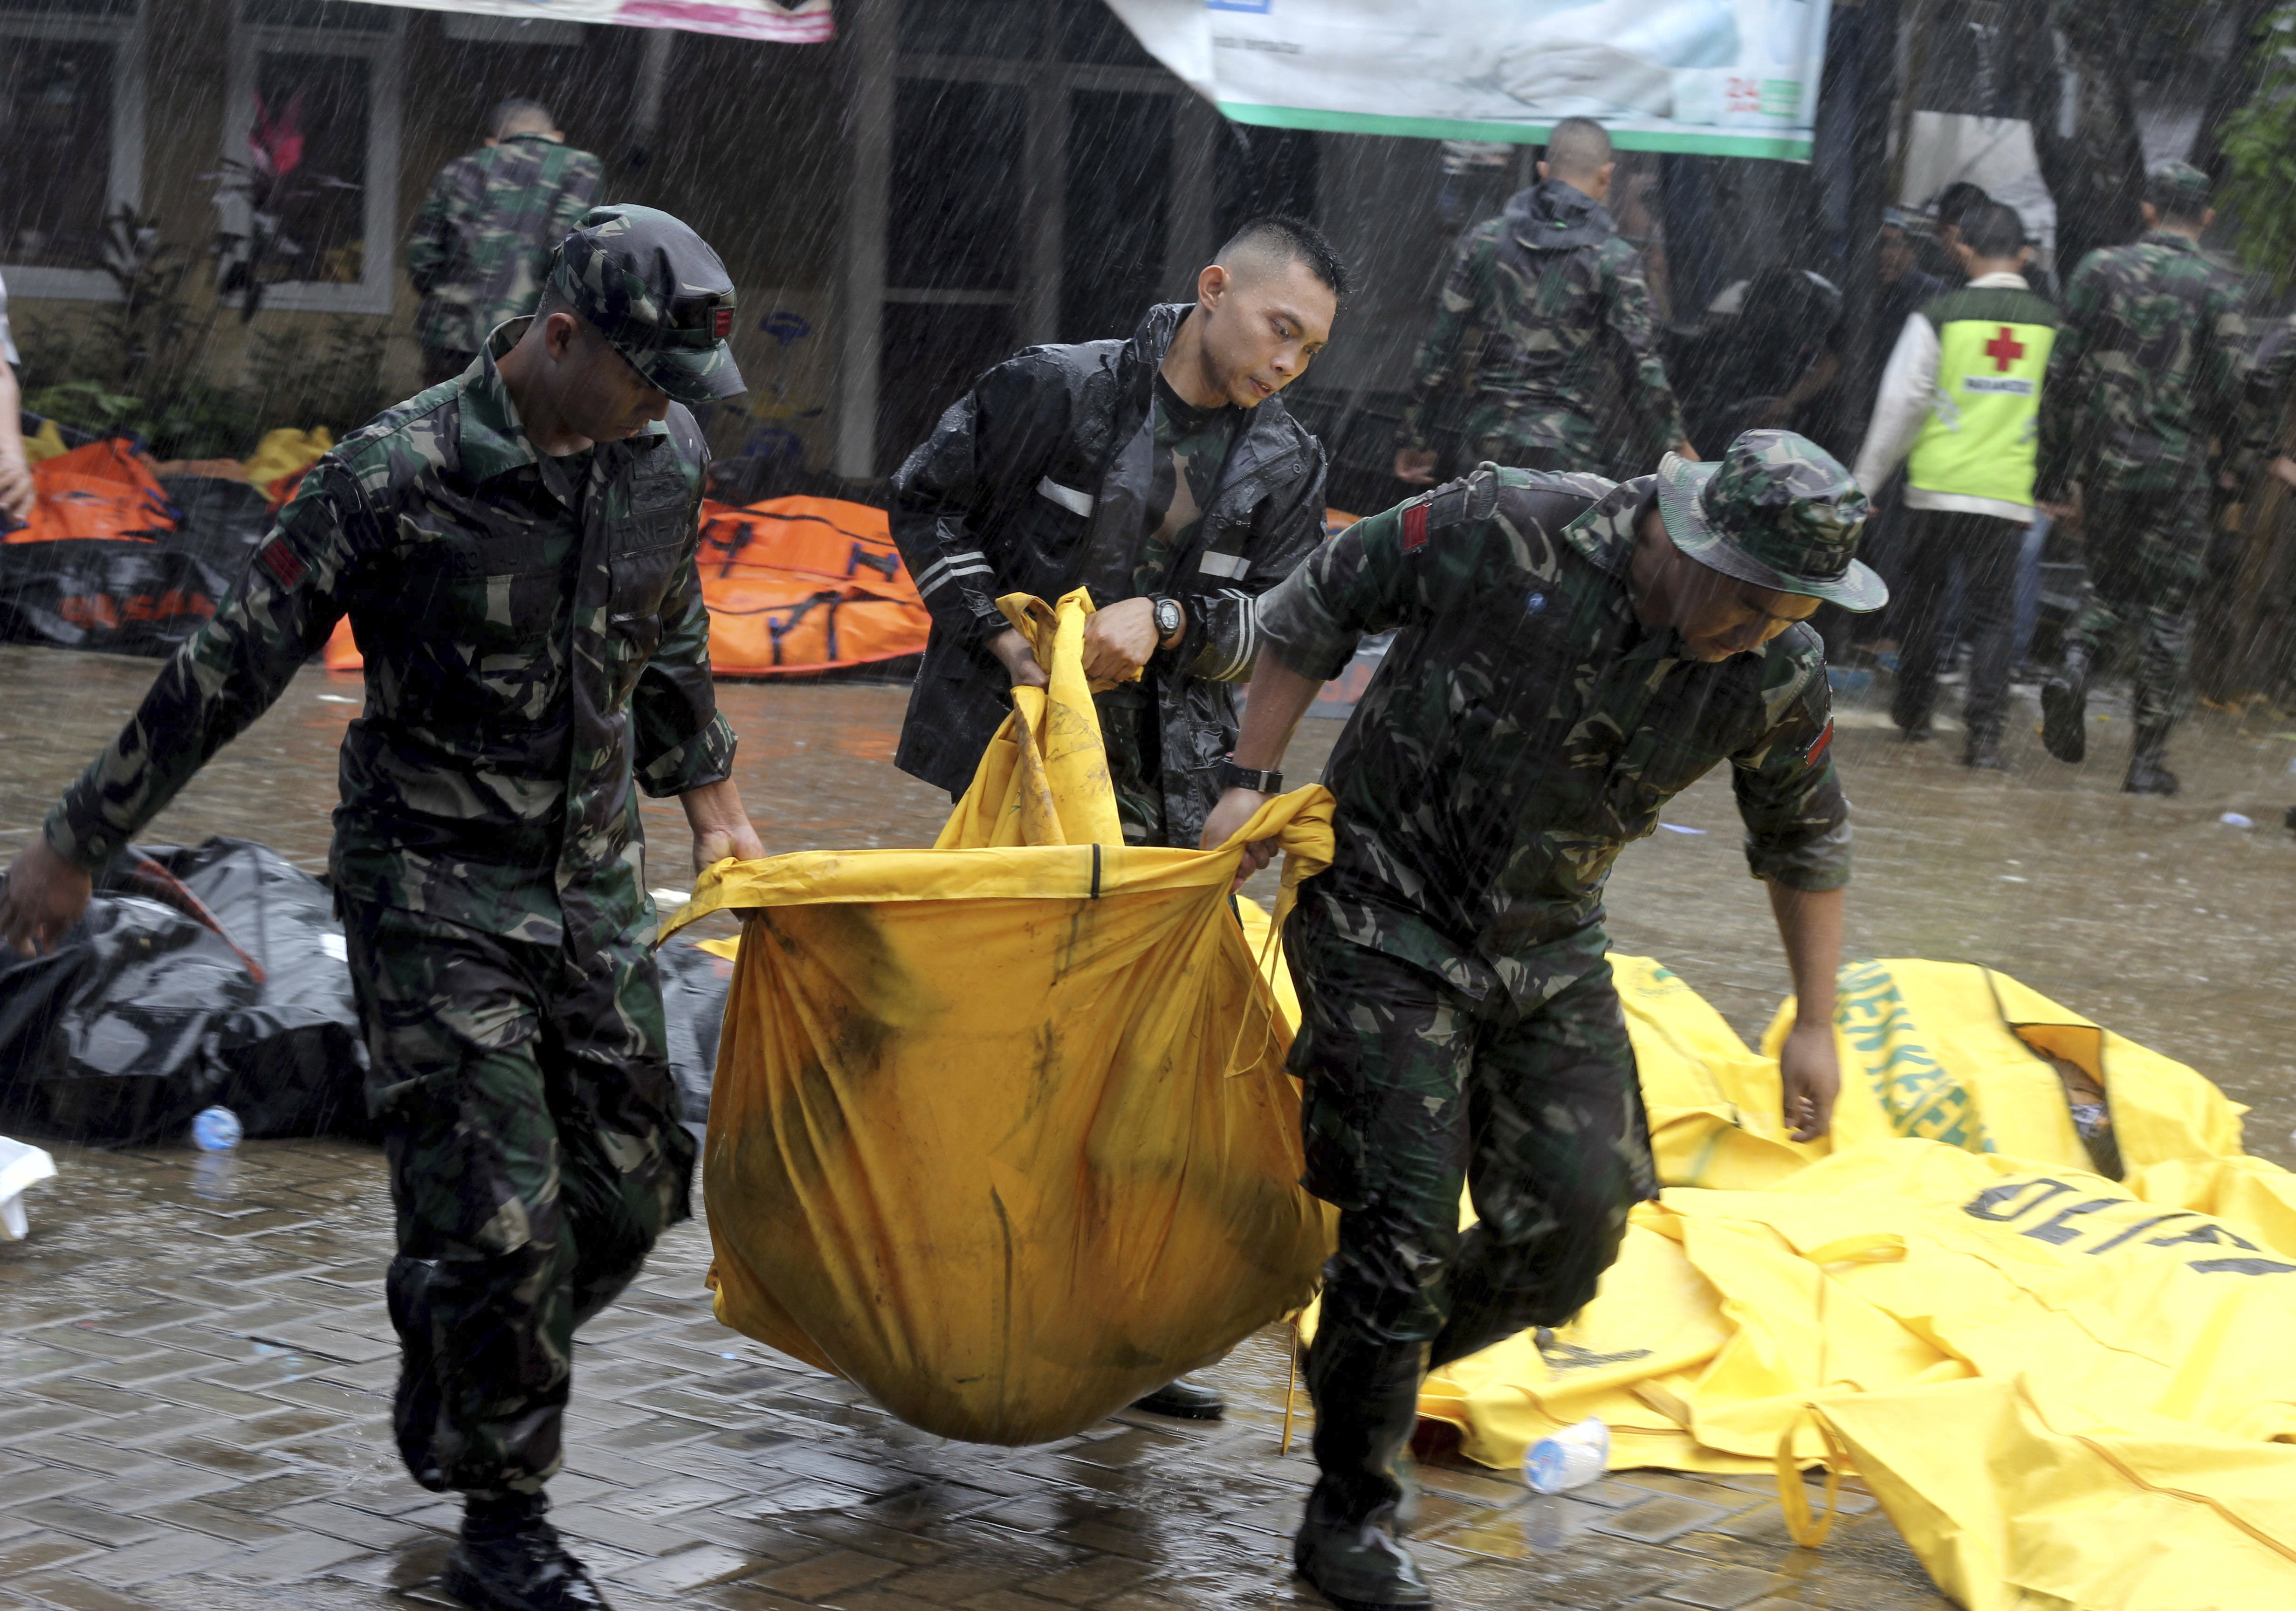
(284, 565)
(1819, 745)
(1414, 527)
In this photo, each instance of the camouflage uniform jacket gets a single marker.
(1525, 726)
(1538, 299)
(2148, 366)
(532, 642)
(1044, 478)
(480, 247)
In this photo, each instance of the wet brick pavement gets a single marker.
(195, 1363)
(196, 1369)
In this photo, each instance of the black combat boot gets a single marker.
(1185, 1397)
(1980, 752)
(2148, 763)
(510, 1559)
(2064, 707)
(1366, 1398)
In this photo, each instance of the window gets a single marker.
(71, 139)
(311, 140)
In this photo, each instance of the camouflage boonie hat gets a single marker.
(657, 294)
(2177, 188)
(1777, 511)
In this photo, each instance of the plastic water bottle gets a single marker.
(216, 1130)
(1569, 1458)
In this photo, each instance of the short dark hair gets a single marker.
(515, 113)
(1296, 240)
(1578, 145)
(554, 300)
(1993, 230)
(1956, 201)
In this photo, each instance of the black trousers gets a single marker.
(1987, 548)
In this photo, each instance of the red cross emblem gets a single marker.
(2003, 349)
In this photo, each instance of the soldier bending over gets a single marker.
(1573, 654)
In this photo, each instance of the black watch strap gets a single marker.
(1234, 777)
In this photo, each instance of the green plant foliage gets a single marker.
(133, 368)
(87, 406)
(2259, 148)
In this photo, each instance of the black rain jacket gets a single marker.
(1047, 464)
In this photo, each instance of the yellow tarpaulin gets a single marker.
(1001, 1129)
(2064, 1389)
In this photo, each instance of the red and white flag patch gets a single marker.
(1414, 527)
(1819, 745)
(285, 566)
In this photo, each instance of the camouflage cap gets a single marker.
(1777, 511)
(2177, 188)
(657, 294)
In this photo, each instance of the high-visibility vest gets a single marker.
(1993, 352)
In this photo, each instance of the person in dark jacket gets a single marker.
(1162, 474)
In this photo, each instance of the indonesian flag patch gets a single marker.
(1818, 745)
(286, 568)
(1414, 527)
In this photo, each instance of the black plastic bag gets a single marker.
(693, 989)
(125, 597)
(201, 977)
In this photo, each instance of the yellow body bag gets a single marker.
(1001, 1129)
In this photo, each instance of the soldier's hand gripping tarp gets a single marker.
(1001, 1129)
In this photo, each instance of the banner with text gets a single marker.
(785, 21)
(1723, 77)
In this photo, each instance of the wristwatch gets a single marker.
(1234, 777)
(1168, 619)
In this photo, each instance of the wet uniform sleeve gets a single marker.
(574, 200)
(679, 740)
(1406, 566)
(1437, 366)
(995, 436)
(1789, 797)
(430, 243)
(2060, 411)
(226, 675)
(1222, 641)
(1628, 318)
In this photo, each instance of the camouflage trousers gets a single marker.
(2147, 553)
(1130, 734)
(1514, 440)
(1415, 1088)
(531, 1122)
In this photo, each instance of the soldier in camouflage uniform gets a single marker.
(482, 243)
(515, 549)
(1539, 301)
(1571, 656)
(2144, 386)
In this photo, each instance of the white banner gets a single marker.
(1726, 77)
(796, 22)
